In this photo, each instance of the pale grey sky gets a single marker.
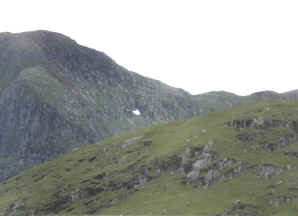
(234, 45)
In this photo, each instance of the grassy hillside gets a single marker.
(241, 161)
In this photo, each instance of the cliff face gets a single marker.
(56, 95)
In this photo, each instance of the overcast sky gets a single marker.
(239, 46)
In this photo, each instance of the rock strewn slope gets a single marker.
(241, 161)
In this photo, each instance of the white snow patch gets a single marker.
(136, 112)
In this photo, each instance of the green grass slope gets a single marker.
(240, 161)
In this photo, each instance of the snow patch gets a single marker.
(136, 112)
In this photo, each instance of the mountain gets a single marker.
(239, 161)
(56, 95)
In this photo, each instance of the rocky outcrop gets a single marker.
(242, 209)
(202, 168)
(261, 123)
(280, 143)
(268, 170)
(292, 154)
(255, 129)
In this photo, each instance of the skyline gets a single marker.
(199, 46)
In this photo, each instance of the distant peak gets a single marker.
(5, 33)
(45, 35)
(43, 32)
(266, 93)
(290, 92)
(39, 36)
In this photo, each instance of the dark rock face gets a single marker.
(261, 123)
(259, 126)
(56, 94)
